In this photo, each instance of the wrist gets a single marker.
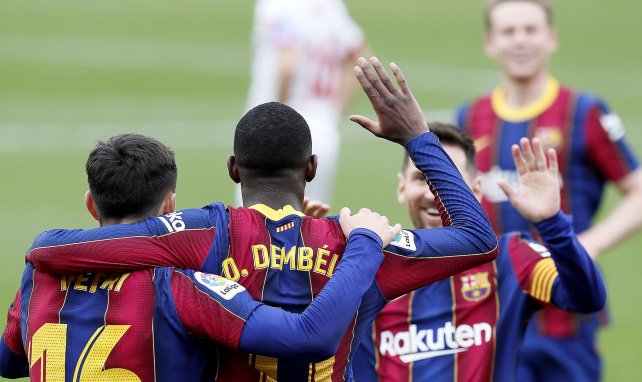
(365, 233)
(419, 140)
(554, 225)
(414, 132)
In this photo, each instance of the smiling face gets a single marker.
(520, 39)
(413, 191)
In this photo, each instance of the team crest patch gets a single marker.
(551, 137)
(475, 287)
(406, 240)
(219, 285)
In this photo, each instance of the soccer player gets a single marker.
(589, 140)
(279, 256)
(469, 326)
(147, 325)
(302, 56)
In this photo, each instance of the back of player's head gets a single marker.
(450, 135)
(272, 138)
(129, 175)
(491, 4)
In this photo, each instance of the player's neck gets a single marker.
(125, 220)
(274, 193)
(520, 93)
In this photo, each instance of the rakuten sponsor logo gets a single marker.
(416, 344)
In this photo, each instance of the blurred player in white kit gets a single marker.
(303, 53)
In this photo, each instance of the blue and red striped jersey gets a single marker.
(591, 150)
(151, 325)
(469, 327)
(124, 326)
(284, 258)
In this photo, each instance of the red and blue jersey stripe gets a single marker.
(468, 327)
(284, 259)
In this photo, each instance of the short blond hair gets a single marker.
(491, 4)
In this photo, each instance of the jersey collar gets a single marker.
(276, 215)
(512, 114)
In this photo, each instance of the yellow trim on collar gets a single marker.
(276, 215)
(505, 112)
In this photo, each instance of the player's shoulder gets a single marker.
(468, 109)
(585, 100)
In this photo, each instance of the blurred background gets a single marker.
(72, 72)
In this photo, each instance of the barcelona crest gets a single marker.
(475, 287)
(551, 137)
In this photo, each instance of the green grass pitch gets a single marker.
(72, 72)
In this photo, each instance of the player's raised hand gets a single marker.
(370, 220)
(314, 208)
(400, 118)
(538, 196)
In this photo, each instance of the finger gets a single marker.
(527, 152)
(367, 87)
(511, 194)
(311, 208)
(385, 219)
(344, 213)
(373, 77)
(366, 123)
(381, 72)
(323, 210)
(401, 80)
(552, 162)
(365, 211)
(319, 210)
(396, 229)
(540, 158)
(518, 159)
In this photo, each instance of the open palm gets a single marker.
(538, 196)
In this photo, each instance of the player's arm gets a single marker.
(420, 257)
(614, 159)
(182, 239)
(568, 279)
(575, 281)
(13, 360)
(205, 303)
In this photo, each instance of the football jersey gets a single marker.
(591, 149)
(587, 136)
(124, 326)
(468, 327)
(284, 259)
(151, 325)
(323, 37)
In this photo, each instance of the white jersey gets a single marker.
(324, 37)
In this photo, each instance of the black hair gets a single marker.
(451, 135)
(272, 138)
(129, 175)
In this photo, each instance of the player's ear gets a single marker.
(554, 40)
(311, 168)
(489, 47)
(169, 204)
(401, 188)
(232, 169)
(89, 204)
(476, 186)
